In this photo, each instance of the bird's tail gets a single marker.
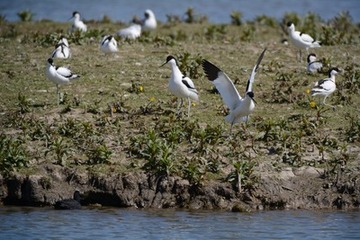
(316, 92)
(74, 76)
(194, 95)
(315, 44)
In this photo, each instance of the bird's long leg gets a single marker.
(328, 104)
(189, 105)
(58, 94)
(180, 103)
(300, 55)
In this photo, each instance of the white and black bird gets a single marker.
(326, 86)
(301, 40)
(313, 66)
(62, 49)
(149, 21)
(132, 32)
(108, 44)
(78, 24)
(180, 85)
(240, 108)
(59, 75)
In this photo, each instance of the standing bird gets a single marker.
(58, 75)
(108, 44)
(149, 22)
(180, 85)
(132, 32)
(326, 86)
(301, 40)
(69, 204)
(62, 49)
(313, 65)
(240, 108)
(77, 23)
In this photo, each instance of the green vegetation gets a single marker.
(120, 113)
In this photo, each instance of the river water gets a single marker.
(117, 223)
(217, 11)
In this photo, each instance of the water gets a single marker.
(114, 223)
(218, 11)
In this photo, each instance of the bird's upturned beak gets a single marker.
(163, 64)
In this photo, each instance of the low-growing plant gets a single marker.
(70, 128)
(25, 16)
(23, 103)
(236, 18)
(215, 32)
(248, 33)
(2, 18)
(192, 171)
(190, 65)
(136, 87)
(12, 154)
(191, 17)
(61, 149)
(352, 133)
(242, 177)
(99, 154)
(266, 21)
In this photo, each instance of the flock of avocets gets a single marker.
(182, 86)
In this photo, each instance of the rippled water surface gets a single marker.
(111, 223)
(218, 11)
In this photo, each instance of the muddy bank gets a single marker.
(302, 188)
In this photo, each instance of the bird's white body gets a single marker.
(132, 32)
(240, 108)
(301, 40)
(149, 22)
(327, 86)
(59, 75)
(108, 44)
(177, 86)
(180, 85)
(77, 23)
(313, 65)
(62, 49)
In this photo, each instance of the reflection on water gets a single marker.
(218, 11)
(114, 223)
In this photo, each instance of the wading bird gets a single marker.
(59, 75)
(108, 44)
(313, 65)
(132, 32)
(301, 40)
(180, 85)
(77, 23)
(62, 49)
(240, 108)
(326, 86)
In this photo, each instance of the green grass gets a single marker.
(109, 112)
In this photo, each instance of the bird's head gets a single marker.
(333, 71)
(251, 96)
(290, 26)
(148, 13)
(75, 15)
(50, 61)
(169, 59)
(311, 57)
